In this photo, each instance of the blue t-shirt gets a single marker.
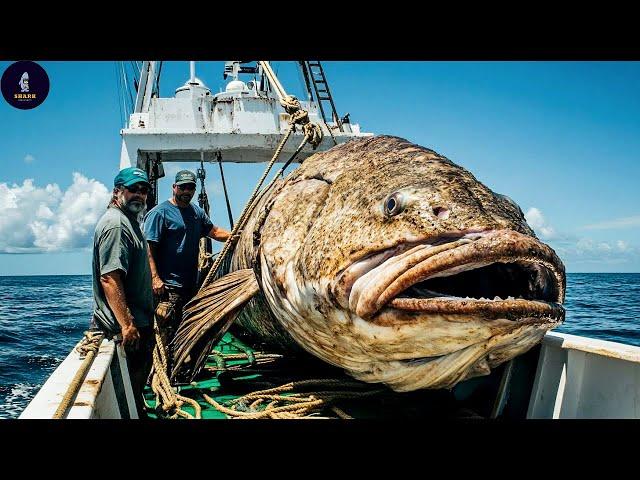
(178, 232)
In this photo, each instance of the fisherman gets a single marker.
(123, 298)
(173, 230)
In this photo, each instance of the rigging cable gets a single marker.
(120, 93)
(224, 187)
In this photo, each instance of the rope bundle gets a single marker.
(168, 401)
(292, 405)
(89, 343)
(299, 116)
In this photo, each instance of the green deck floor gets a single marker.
(225, 381)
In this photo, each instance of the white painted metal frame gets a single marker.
(580, 377)
(241, 123)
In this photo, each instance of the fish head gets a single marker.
(413, 273)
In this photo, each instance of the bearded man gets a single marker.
(122, 293)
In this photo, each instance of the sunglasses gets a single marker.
(143, 189)
(186, 186)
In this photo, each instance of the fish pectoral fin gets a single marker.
(206, 319)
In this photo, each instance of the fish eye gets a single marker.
(393, 205)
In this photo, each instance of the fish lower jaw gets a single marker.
(509, 308)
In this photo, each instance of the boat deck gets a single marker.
(247, 383)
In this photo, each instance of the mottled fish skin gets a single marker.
(316, 233)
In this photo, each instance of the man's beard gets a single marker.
(134, 206)
(185, 198)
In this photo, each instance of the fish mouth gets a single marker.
(497, 274)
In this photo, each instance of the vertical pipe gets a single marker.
(192, 68)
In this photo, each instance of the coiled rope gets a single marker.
(167, 400)
(293, 405)
(88, 348)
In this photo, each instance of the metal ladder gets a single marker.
(321, 87)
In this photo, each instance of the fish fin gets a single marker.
(206, 318)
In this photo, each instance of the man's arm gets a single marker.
(114, 292)
(156, 282)
(218, 233)
(153, 229)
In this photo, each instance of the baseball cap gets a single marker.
(130, 175)
(185, 176)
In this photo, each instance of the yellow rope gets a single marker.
(299, 409)
(341, 413)
(166, 398)
(244, 216)
(88, 349)
(299, 406)
(312, 134)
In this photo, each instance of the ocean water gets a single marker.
(43, 317)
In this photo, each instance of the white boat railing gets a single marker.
(581, 377)
(105, 392)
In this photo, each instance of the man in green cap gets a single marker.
(173, 229)
(122, 293)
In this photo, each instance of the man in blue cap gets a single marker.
(122, 293)
(173, 229)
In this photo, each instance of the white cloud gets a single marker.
(46, 219)
(625, 222)
(579, 250)
(622, 245)
(28, 158)
(536, 220)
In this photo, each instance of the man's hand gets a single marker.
(158, 285)
(130, 337)
(114, 292)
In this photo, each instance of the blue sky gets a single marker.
(560, 138)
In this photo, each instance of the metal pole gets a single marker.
(503, 390)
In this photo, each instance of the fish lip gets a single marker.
(381, 286)
(341, 288)
(516, 310)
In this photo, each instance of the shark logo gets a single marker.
(24, 85)
(24, 82)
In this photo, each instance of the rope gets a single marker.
(204, 253)
(312, 134)
(341, 413)
(88, 348)
(204, 257)
(297, 115)
(295, 404)
(167, 400)
(244, 216)
(89, 343)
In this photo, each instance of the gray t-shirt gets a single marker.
(118, 244)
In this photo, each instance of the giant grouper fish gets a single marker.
(388, 260)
